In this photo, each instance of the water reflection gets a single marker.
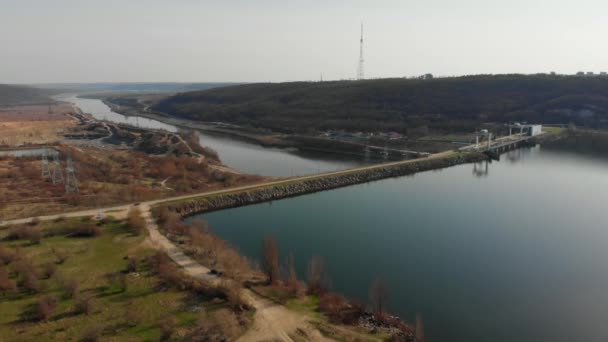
(481, 169)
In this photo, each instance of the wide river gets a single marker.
(514, 250)
(240, 155)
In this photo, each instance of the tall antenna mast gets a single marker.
(360, 73)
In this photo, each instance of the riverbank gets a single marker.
(296, 187)
(347, 146)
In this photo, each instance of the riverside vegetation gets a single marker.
(331, 313)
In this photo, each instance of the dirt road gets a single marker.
(120, 210)
(272, 322)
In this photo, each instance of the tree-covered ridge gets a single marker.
(12, 95)
(442, 104)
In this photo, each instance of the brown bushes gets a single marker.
(167, 327)
(131, 264)
(6, 285)
(222, 326)
(84, 305)
(25, 233)
(233, 291)
(48, 270)
(7, 256)
(339, 309)
(28, 276)
(45, 308)
(92, 333)
(86, 230)
(71, 288)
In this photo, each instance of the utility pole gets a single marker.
(46, 172)
(360, 71)
(57, 173)
(71, 183)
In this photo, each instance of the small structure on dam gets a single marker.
(525, 130)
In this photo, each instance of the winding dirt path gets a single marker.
(272, 322)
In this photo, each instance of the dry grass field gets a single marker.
(27, 125)
(106, 177)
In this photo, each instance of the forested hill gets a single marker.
(12, 95)
(443, 104)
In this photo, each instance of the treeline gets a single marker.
(409, 106)
(13, 95)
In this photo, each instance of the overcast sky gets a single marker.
(282, 40)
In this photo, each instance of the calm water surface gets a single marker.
(513, 252)
(240, 155)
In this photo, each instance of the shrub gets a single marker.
(92, 333)
(131, 264)
(70, 288)
(86, 230)
(48, 270)
(6, 285)
(233, 292)
(31, 283)
(34, 235)
(167, 327)
(6, 256)
(84, 305)
(24, 232)
(45, 308)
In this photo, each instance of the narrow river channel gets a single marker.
(240, 155)
(509, 251)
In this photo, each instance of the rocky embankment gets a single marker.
(276, 192)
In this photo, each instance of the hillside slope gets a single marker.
(404, 105)
(12, 95)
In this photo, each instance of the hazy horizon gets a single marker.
(185, 41)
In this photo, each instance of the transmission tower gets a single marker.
(360, 73)
(56, 172)
(46, 172)
(71, 183)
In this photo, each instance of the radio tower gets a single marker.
(57, 173)
(360, 74)
(71, 183)
(46, 172)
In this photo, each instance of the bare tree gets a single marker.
(378, 295)
(419, 328)
(136, 222)
(270, 259)
(318, 278)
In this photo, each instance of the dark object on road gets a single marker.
(216, 273)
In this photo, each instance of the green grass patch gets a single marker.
(125, 306)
